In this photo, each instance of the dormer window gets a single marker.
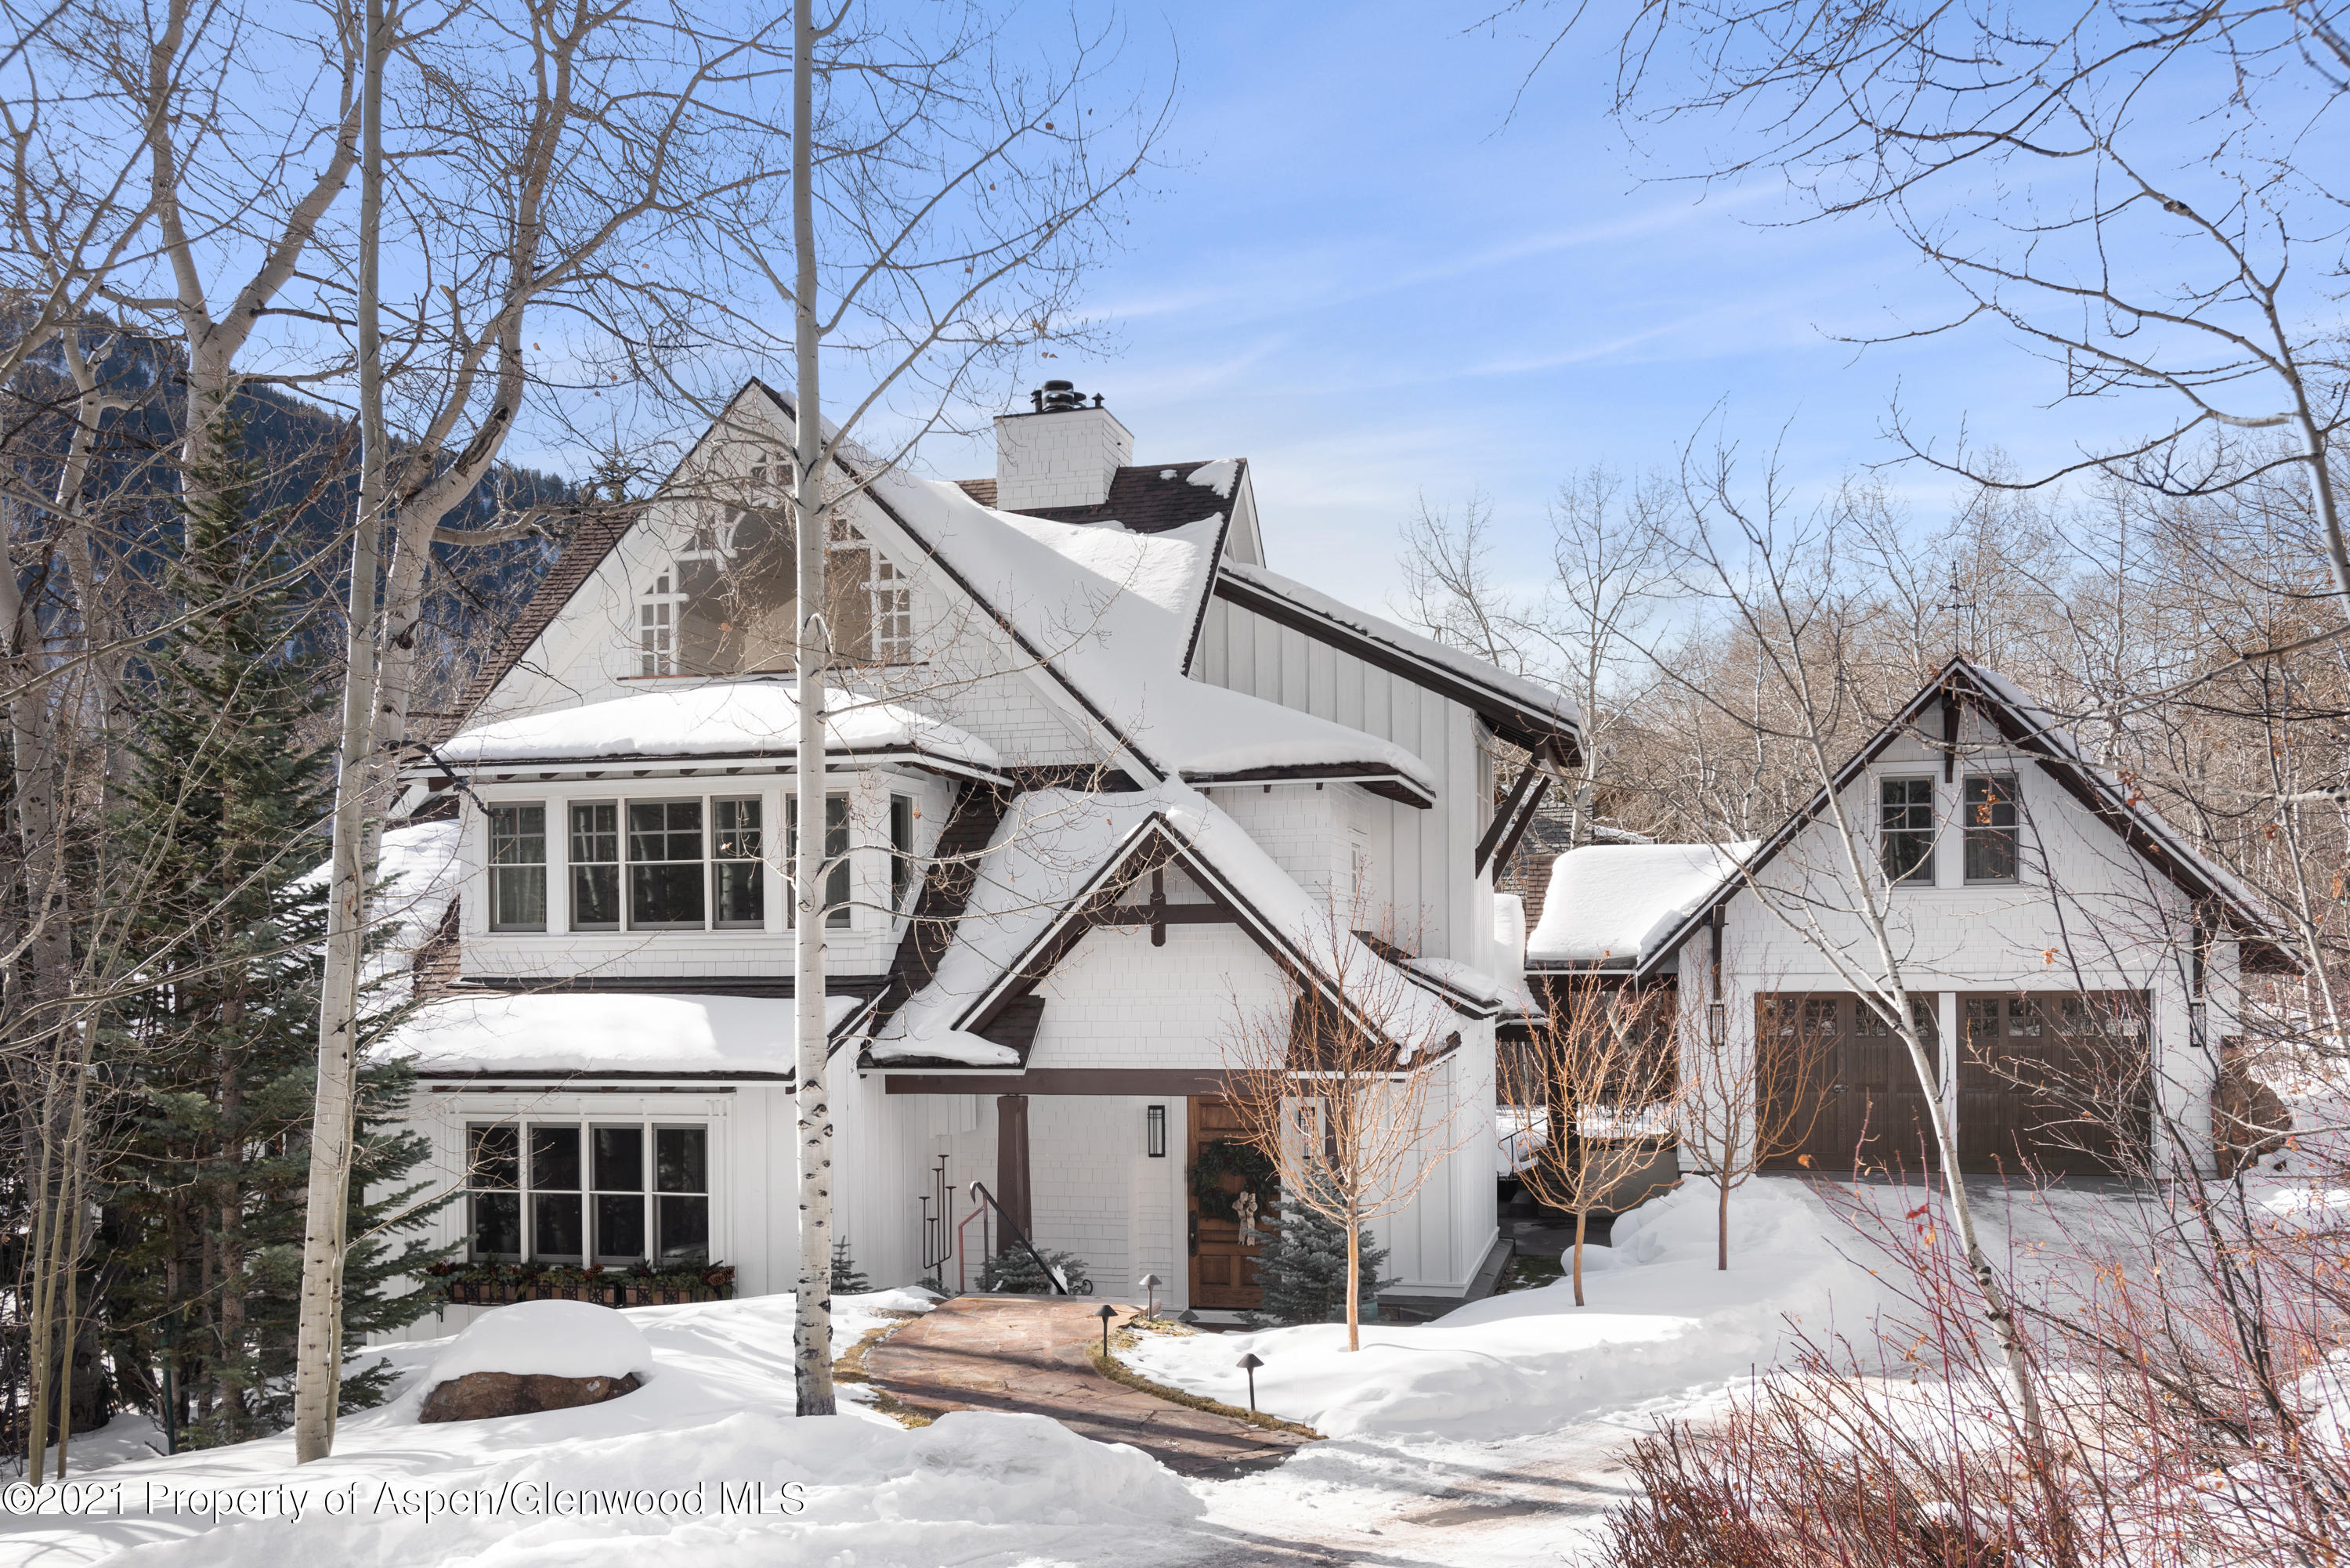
(727, 603)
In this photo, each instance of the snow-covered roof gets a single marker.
(605, 1033)
(418, 871)
(1519, 703)
(1608, 902)
(1056, 850)
(1113, 614)
(751, 717)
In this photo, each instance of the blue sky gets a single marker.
(1367, 279)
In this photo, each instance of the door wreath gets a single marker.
(1224, 1157)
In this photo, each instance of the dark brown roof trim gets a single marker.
(595, 1074)
(1376, 777)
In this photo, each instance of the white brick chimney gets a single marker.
(1062, 454)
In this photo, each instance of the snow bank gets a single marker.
(1611, 900)
(548, 1339)
(639, 1480)
(1662, 1323)
(584, 1031)
(748, 718)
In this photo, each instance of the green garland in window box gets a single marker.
(1224, 1157)
(498, 1284)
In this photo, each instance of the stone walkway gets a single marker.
(1029, 1354)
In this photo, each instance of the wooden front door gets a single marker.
(1224, 1267)
(1873, 1113)
(2054, 1082)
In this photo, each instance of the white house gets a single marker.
(2043, 918)
(1101, 780)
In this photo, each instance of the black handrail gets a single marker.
(979, 1190)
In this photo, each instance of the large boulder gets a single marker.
(478, 1396)
(536, 1356)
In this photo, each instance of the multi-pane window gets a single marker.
(1924, 1016)
(901, 849)
(737, 872)
(517, 867)
(1989, 824)
(1906, 829)
(893, 612)
(835, 854)
(631, 1192)
(665, 865)
(657, 630)
(595, 867)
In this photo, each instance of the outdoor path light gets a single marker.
(1249, 1364)
(1149, 1283)
(1106, 1313)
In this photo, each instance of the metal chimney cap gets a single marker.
(1060, 397)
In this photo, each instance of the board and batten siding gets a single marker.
(1421, 860)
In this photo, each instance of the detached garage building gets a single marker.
(2056, 940)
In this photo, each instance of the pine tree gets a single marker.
(215, 1052)
(1305, 1269)
(848, 1280)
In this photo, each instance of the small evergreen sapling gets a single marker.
(847, 1278)
(1305, 1269)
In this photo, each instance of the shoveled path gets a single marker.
(1029, 1354)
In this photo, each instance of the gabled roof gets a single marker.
(2032, 730)
(1060, 859)
(1106, 605)
(1523, 713)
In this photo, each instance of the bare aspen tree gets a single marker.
(940, 208)
(1738, 1110)
(1346, 1086)
(1601, 1065)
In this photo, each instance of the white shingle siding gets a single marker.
(1062, 458)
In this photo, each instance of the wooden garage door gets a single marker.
(2054, 1082)
(1223, 1265)
(1873, 1113)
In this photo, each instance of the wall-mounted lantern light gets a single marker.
(1154, 1131)
(1717, 1021)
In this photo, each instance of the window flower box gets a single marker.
(500, 1284)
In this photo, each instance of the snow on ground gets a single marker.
(638, 1479)
(1661, 1323)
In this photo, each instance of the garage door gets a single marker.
(1873, 1110)
(2053, 1082)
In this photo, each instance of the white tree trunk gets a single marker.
(318, 1358)
(812, 1305)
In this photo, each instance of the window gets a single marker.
(1924, 1015)
(657, 630)
(665, 873)
(893, 613)
(555, 1220)
(493, 1173)
(595, 867)
(517, 867)
(629, 1191)
(736, 867)
(617, 1166)
(1906, 829)
(901, 849)
(681, 1193)
(836, 852)
(1990, 826)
